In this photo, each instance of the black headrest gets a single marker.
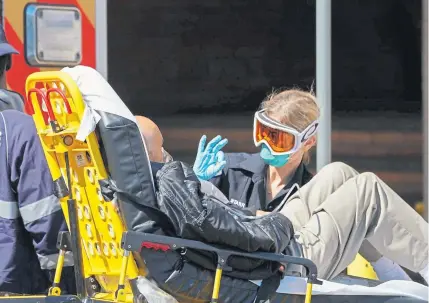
(128, 165)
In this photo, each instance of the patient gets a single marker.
(153, 139)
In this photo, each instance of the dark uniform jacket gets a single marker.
(243, 182)
(30, 212)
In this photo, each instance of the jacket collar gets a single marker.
(255, 165)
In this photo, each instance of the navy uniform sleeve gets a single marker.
(217, 180)
(38, 205)
(250, 211)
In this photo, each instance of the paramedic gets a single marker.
(30, 213)
(154, 140)
(350, 206)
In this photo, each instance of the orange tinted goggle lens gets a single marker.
(278, 140)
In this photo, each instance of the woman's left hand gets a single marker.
(261, 213)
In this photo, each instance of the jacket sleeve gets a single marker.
(270, 233)
(195, 216)
(38, 204)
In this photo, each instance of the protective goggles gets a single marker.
(279, 138)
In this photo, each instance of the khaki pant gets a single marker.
(338, 209)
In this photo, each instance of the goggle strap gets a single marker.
(268, 122)
(309, 132)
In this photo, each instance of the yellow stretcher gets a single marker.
(101, 245)
(97, 226)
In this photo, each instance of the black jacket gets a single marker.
(198, 216)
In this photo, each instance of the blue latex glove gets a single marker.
(210, 160)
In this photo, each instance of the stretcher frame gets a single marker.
(57, 107)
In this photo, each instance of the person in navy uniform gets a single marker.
(330, 211)
(30, 212)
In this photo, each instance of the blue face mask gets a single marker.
(273, 160)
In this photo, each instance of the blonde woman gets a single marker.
(336, 213)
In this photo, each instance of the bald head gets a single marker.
(153, 138)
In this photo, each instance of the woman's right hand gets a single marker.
(210, 160)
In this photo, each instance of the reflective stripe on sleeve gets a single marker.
(9, 210)
(50, 261)
(39, 209)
